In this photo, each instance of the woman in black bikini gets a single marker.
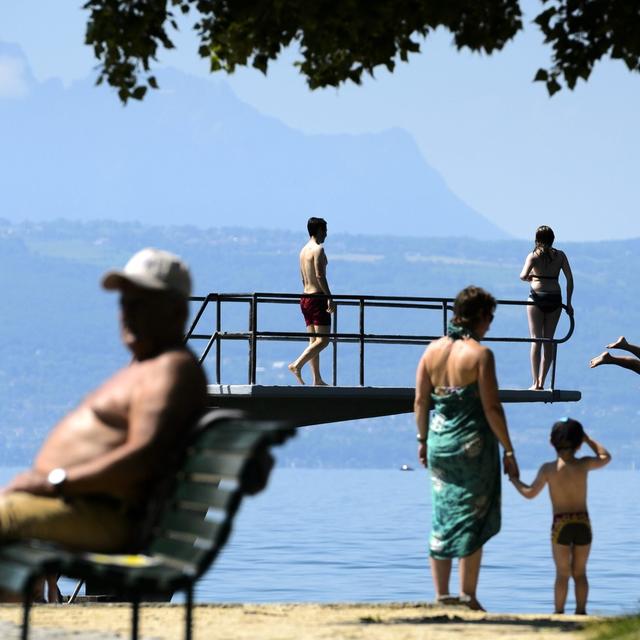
(542, 268)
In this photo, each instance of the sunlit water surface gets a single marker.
(360, 535)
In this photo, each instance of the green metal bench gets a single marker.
(227, 458)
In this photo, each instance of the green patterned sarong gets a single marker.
(464, 462)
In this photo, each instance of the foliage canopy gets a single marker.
(339, 40)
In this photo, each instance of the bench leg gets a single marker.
(189, 614)
(135, 617)
(76, 591)
(26, 610)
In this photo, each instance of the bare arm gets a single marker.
(320, 267)
(526, 269)
(602, 457)
(532, 490)
(421, 406)
(493, 410)
(566, 269)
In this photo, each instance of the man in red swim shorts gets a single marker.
(316, 303)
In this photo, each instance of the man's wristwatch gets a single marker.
(420, 439)
(57, 477)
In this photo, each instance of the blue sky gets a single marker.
(513, 154)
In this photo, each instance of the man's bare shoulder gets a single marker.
(172, 358)
(174, 365)
(317, 249)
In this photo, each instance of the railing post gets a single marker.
(335, 347)
(218, 341)
(203, 306)
(253, 324)
(554, 355)
(444, 318)
(361, 342)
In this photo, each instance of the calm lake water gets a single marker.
(361, 535)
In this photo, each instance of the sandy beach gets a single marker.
(402, 621)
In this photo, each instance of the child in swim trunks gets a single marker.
(571, 528)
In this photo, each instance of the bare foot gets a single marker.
(296, 372)
(536, 387)
(320, 383)
(603, 358)
(620, 343)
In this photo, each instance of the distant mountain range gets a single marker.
(193, 153)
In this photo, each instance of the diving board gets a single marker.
(308, 405)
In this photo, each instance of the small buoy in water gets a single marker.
(406, 467)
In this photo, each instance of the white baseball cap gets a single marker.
(152, 269)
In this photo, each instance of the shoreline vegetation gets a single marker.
(397, 621)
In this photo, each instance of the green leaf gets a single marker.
(139, 92)
(553, 86)
(541, 76)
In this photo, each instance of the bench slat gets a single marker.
(206, 494)
(228, 439)
(14, 577)
(30, 554)
(242, 434)
(178, 550)
(228, 465)
(185, 523)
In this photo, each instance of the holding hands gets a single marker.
(510, 465)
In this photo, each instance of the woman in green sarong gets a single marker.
(460, 443)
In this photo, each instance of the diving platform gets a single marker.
(308, 405)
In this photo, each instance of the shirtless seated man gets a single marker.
(100, 463)
(315, 308)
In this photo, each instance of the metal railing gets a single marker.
(253, 336)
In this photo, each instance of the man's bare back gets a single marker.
(313, 267)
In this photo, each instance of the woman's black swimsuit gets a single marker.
(546, 301)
